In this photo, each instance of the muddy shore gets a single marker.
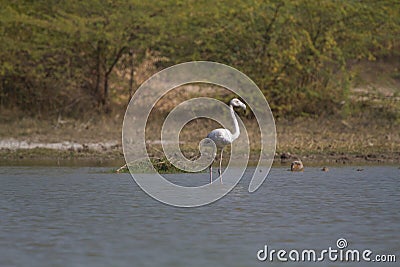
(97, 142)
(22, 153)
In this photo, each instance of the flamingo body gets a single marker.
(222, 137)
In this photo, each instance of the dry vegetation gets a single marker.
(313, 140)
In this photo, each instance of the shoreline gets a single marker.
(317, 142)
(112, 156)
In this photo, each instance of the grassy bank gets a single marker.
(315, 141)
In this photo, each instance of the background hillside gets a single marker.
(66, 58)
(70, 68)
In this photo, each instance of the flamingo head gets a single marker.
(237, 103)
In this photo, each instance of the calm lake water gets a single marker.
(52, 216)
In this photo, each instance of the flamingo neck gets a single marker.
(236, 133)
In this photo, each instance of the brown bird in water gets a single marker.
(325, 169)
(297, 166)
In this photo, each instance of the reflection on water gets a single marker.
(86, 217)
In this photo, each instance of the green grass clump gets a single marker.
(161, 165)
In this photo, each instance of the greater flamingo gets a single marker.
(223, 137)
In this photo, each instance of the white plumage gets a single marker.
(223, 137)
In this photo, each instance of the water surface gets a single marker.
(64, 216)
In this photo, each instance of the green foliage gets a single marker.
(161, 165)
(59, 57)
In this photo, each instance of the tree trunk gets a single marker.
(131, 75)
(97, 91)
(107, 75)
(105, 91)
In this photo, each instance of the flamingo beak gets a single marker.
(244, 107)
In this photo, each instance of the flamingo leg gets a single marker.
(220, 166)
(211, 173)
(211, 169)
